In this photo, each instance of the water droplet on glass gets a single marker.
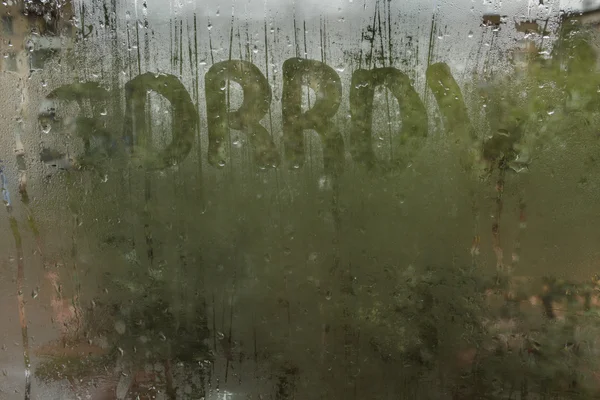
(550, 112)
(328, 295)
(255, 49)
(103, 112)
(46, 128)
(324, 183)
(209, 26)
(220, 335)
(120, 327)
(34, 293)
(470, 34)
(340, 68)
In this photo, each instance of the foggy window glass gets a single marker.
(9, 62)
(40, 57)
(7, 25)
(289, 199)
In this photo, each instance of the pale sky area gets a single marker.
(335, 5)
(256, 8)
(580, 4)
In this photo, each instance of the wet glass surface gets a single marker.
(299, 200)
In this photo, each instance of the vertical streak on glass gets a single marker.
(177, 284)
(139, 57)
(389, 26)
(227, 342)
(147, 174)
(22, 318)
(496, 224)
(189, 304)
(210, 45)
(371, 39)
(296, 43)
(171, 42)
(430, 52)
(310, 159)
(322, 40)
(381, 32)
(239, 36)
(200, 185)
(214, 323)
(267, 69)
(229, 56)
(20, 278)
(181, 48)
(146, 37)
(278, 197)
(129, 53)
(74, 208)
(248, 52)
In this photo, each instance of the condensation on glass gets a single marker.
(299, 200)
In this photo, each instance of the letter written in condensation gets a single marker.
(89, 129)
(328, 89)
(184, 119)
(455, 118)
(255, 105)
(414, 116)
(450, 102)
